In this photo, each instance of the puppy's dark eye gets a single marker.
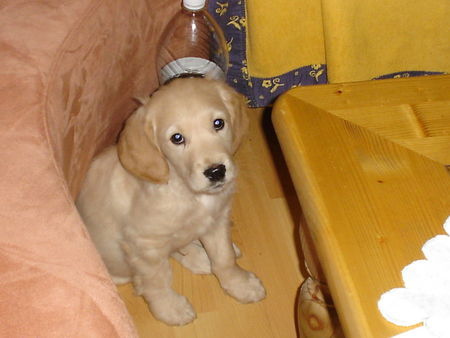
(219, 124)
(177, 138)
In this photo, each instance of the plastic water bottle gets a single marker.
(193, 45)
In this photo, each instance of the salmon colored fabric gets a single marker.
(68, 72)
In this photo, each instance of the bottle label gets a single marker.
(191, 66)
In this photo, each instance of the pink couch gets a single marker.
(68, 72)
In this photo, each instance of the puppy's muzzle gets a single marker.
(215, 173)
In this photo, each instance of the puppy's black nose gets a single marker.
(215, 173)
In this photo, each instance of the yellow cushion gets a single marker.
(276, 45)
(366, 40)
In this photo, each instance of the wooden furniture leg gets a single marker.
(316, 315)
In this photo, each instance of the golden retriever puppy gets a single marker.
(166, 189)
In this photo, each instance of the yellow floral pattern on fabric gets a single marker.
(237, 22)
(316, 72)
(407, 74)
(222, 9)
(260, 92)
(266, 83)
(401, 75)
(272, 84)
(245, 74)
(244, 70)
(230, 45)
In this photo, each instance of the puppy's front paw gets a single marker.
(245, 287)
(172, 309)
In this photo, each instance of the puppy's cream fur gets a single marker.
(148, 198)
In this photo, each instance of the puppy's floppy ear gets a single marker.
(137, 149)
(237, 107)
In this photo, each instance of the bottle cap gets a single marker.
(194, 5)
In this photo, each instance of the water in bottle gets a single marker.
(192, 45)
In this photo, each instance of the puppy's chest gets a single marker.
(180, 218)
(198, 221)
(201, 213)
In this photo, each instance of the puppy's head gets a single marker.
(190, 126)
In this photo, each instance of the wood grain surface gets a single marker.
(368, 161)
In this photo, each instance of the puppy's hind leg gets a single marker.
(194, 257)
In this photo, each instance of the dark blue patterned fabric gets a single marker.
(407, 74)
(261, 92)
(231, 17)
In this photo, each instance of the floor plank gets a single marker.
(265, 217)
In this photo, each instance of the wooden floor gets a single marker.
(266, 214)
